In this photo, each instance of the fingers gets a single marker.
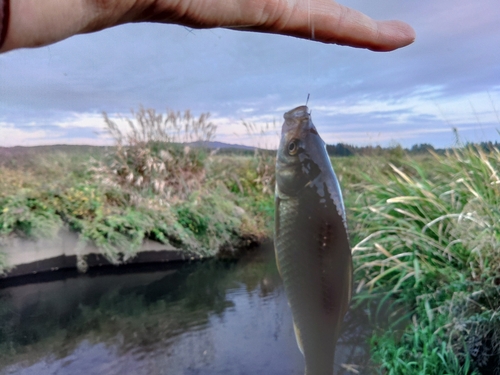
(35, 23)
(355, 29)
(329, 22)
(321, 20)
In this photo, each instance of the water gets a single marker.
(211, 318)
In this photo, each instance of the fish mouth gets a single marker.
(298, 123)
(297, 114)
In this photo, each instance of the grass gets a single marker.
(427, 233)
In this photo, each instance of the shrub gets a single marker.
(162, 154)
(27, 216)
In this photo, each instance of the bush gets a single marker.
(162, 154)
(27, 216)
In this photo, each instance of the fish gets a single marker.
(312, 248)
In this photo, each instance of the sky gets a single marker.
(448, 78)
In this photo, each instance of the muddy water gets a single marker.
(212, 317)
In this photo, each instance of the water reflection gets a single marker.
(213, 317)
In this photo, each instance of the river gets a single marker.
(208, 317)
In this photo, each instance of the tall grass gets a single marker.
(160, 153)
(265, 159)
(431, 237)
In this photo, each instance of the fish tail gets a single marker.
(309, 372)
(320, 365)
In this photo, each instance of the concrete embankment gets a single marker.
(25, 257)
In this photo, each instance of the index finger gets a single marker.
(330, 22)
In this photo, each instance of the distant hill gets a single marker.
(6, 152)
(221, 145)
(339, 149)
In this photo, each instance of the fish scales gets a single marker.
(312, 247)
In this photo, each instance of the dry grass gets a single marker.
(265, 159)
(163, 154)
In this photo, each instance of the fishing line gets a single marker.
(310, 49)
(309, 25)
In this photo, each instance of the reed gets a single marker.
(431, 237)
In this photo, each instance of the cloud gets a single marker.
(12, 136)
(449, 77)
(77, 129)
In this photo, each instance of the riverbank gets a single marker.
(157, 183)
(58, 210)
(29, 257)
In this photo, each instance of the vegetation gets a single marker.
(149, 185)
(427, 234)
(343, 149)
(425, 225)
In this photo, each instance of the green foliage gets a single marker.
(428, 232)
(343, 149)
(193, 220)
(27, 216)
(215, 221)
(117, 235)
(421, 349)
(80, 202)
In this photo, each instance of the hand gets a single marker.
(34, 23)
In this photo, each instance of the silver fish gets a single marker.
(311, 242)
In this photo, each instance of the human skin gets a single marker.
(35, 23)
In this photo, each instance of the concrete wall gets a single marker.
(28, 257)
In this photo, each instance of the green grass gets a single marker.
(422, 349)
(427, 233)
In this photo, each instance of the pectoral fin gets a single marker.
(298, 338)
(277, 231)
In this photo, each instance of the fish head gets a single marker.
(299, 156)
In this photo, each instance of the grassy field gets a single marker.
(425, 229)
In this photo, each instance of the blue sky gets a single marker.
(450, 77)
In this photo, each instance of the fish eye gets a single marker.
(293, 147)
